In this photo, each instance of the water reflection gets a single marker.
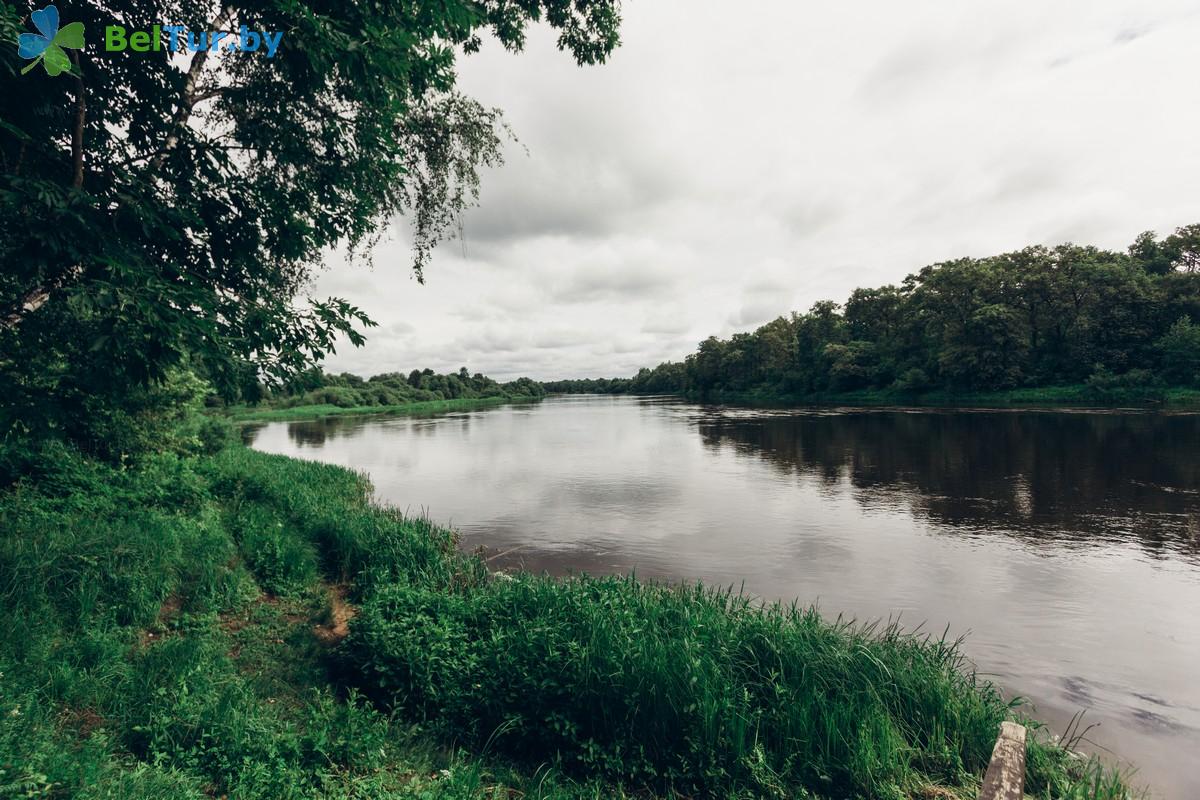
(1065, 543)
(1090, 477)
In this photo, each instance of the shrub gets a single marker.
(340, 396)
(214, 434)
(913, 379)
(1134, 386)
(1179, 349)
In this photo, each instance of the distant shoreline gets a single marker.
(1074, 396)
(310, 412)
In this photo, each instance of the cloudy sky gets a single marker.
(733, 162)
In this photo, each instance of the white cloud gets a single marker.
(727, 167)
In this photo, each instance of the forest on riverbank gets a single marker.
(1044, 324)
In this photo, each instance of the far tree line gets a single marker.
(1038, 317)
(347, 390)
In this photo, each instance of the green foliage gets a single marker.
(912, 379)
(1179, 349)
(691, 688)
(151, 215)
(41, 760)
(327, 506)
(852, 365)
(161, 416)
(283, 563)
(141, 659)
(315, 394)
(1134, 386)
(985, 352)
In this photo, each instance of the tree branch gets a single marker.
(208, 94)
(80, 120)
(31, 302)
(190, 94)
(36, 297)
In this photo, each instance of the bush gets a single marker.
(340, 396)
(913, 379)
(1134, 386)
(214, 434)
(1179, 349)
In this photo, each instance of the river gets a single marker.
(1064, 544)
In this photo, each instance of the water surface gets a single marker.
(1066, 543)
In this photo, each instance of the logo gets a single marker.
(47, 45)
(179, 39)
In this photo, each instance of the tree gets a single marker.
(852, 365)
(1179, 349)
(704, 366)
(986, 353)
(1035, 317)
(773, 347)
(877, 316)
(1183, 248)
(150, 213)
(1149, 254)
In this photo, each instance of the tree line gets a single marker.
(1037, 317)
(347, 390)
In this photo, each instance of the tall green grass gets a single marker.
(160, 643)
(689, 688)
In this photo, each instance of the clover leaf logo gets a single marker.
(47, 46)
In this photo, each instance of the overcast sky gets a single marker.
(736, 161)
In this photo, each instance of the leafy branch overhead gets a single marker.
(152, 210)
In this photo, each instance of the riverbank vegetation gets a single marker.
(206, 620)
(424, 407)
(1068, 324)
(313, 394)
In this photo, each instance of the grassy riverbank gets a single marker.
(250, 625)
(258, 414)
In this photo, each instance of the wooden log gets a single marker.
(1005, 776)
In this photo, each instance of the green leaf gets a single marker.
(70, 36)
(56, 61)
(13, 129)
